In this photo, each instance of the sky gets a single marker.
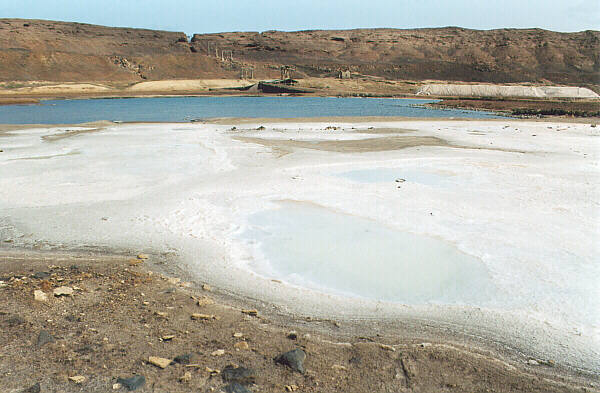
(211, 16)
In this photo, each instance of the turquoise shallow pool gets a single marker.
(177, 109)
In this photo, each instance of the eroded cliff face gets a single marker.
(59, 51)
(506, 55)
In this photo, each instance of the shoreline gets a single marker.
(419, 327)
(389, 338)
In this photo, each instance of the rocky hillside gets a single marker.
(58, 51)
(450, 53)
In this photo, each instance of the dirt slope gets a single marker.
(451, 53)
(58, 51)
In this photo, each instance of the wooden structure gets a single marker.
(247, 72)
(287, 71)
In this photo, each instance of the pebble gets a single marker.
(242, 345)
(63, 291)
(203, 317)
(291, 388)
(218, 352)
(34, 389)
(206, 287)
(187, 377)
(293, 335)
(236, 388)
(338, 367)
(41, 275)
(184, 359)
(134, 262)
(168, 338)
(77, 379)
(533, 362)
(241, 375)
(387, 347)
(251, 312)
(132, 383)
(142, 256)
(238, 335)
(293, 359)
(116, 386)
(205, 301)
(40, 296)
(44, 338)
(159, 362)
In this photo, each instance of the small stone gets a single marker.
(41, 275)
(132, 383)
(293, 335)
(184, 359)
(173, 280)
(338, 367)
(44, 338)
(40, 296)
(160, 314)
(251, 312)
(240, 375)
(218, 352)
(387, 347)
(168, 338)
(77, 379)
(236, 388)
(400, 180)
(533, 362)
(142, 256)
(293, 359)
(116, 386)
(238, 335)
(242, 345)
(159, 362)
(33, 389)
(134, 262)
(291, 388)
(203, 317)
(187, 377)
(63, 291)
(206, 287)
(205, 301)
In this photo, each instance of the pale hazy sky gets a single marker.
(205, 16)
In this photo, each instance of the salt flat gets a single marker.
(483, 227)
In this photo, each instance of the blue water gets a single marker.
(178, 109)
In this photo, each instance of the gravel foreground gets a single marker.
(90, 323)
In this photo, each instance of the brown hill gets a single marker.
(59, 51)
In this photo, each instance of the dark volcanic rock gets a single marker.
(184, 359)
(41, 275)
(44, 338)
(293, 359)
(132, 383)
(236, 388)
(239, 375)
(34, 389)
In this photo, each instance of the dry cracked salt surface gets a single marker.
(483, 230)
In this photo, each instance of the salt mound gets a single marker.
(506, 91)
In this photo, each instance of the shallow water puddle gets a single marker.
(389, 175)
(321, 249)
